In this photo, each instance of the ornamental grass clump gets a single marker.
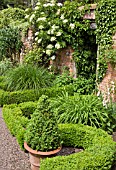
(42, 133)
(26, 77)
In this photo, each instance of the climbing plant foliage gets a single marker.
(60, 25)
(106, 27)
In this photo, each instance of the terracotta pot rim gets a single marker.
(40, 152)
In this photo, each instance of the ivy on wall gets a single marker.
(106, 27)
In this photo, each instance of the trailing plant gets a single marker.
(28, 77)
(42, 132)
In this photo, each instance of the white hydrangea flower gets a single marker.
(58, 34)
(58, 12)
(39, 40)
(62, 16)
(50, 46)
(36, 33)
(48, 52)
(38, 3)
(32, 16)
(27, 16)
(72, 26)
(57, 46)
(53, 57)
(41, 19)
(65, 21)
(54, 27)
(42, 13)
(26, 10)
(53, 39)
(59, 4)
(36, 38)
(52, 31)
(45, 5)
(37, 7)
(48, 32)
(41, 27)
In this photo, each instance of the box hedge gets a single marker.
(99, 148)
(32, 95)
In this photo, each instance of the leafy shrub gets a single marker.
(85, 109)
(10, 42)
(10, 15)
(15, 122)
(32, 95)
(28, 108)
(5, 65)
(42, 132)
(98, 151)
(82, 85)
(28, 77)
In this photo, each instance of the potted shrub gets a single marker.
(42, 136)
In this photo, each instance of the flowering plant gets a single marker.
(55, 28)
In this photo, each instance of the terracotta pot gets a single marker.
(35, 156)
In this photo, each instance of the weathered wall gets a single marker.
(108, 84)
(64, 60)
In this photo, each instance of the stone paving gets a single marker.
(11, 156)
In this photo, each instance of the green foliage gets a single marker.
(55, 28)
(110, 56)
(5, 65)
(84, 109)
(10, 42)
(28, 108)
(81, 85)
(32, 95)
(98, 149)
(28, 77)
(106, 27)
(42, 131)
(15, 122)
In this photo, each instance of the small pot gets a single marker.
(35, 156)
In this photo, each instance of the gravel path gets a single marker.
(11, 156)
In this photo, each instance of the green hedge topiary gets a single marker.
(32, 95)
(98, 151)
(15, 122)
(98, 146)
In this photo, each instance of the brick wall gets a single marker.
(108, 84)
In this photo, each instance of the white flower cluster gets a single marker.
(53, 39)
(58, 34)
(72, 26)
(32, 17)
(53, 57)
(58, 12)
(59, 4)
(50, 46)
(41, 19)
(48, 4)
(41, 27)
(57, 46)
(65, 21)
(48, 52)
